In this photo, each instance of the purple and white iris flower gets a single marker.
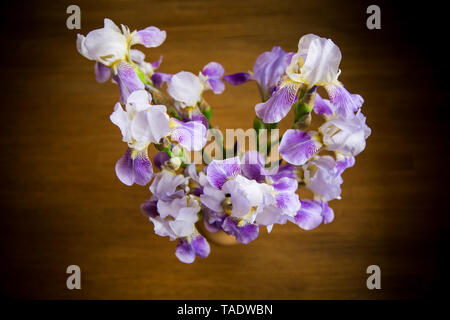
(142, 123)
(267, 71)
(186, 88)
(312, 214)
(320, 176)
(236, 195)
(297, 147)
(316, 64)
(346, 136)
(174, 213)
(110, 47)
(211, 77)
(233, 190)
(109, 44)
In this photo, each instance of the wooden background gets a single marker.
(62, 204)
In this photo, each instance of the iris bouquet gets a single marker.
(234, 191)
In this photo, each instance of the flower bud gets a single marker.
(174, 163)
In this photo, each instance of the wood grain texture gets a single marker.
(61, 203)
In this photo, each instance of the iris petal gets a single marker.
(219, 171)
(298, 146)
(279, 104)
(149, 37)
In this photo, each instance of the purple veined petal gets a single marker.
(213, 70)
(323, 106)
(344, 163)
(279, 104)
(239, 78)
(184, 251)
(157, 63)
(346, 103)
(102, 72)
(160, 158)
(191, 135)
(285, 185)
(327, 213)
(288, 201)
(160, 78)
(149, 37)
(219, 171)
(149, 209)
(128, 81)
(297, 146)
(201, 246)
(134, 167)
(253, 166)
(247, 233)
(217, 85)
(244, 234)
(310, 215)
(143, 171)
(286, 198)
(269, 67)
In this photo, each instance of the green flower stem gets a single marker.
(303, 107)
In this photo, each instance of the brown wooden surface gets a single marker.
(62, 204)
